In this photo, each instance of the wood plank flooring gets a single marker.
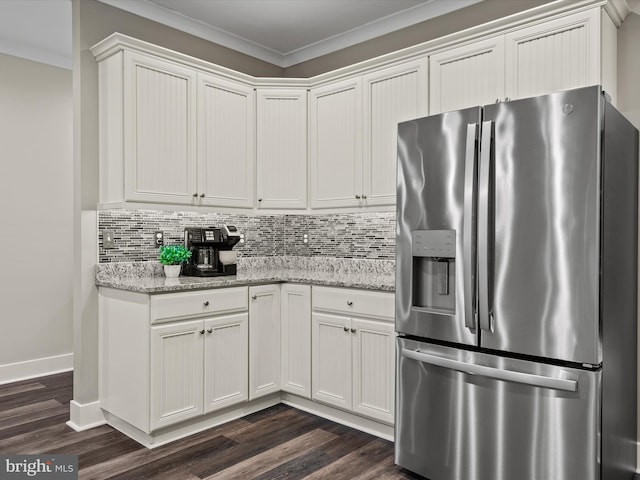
(277, 443)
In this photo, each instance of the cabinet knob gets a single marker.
(201, 332)
(364, 196)
(358, 197)
(209, 330)
(353, 330)
(350, 303)
(254, 297)
(259, 199)
(206, 304)
(346, 329)
(202, 195)
(195, 194)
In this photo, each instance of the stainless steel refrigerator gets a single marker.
(516, 287)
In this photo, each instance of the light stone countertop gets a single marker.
(148, 277)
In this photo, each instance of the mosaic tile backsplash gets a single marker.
(343, 235)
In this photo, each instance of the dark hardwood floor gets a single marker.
(276, 443)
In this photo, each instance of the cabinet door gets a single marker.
(226, 116)
(159, 130)
(226, 359)
(554, 55)
(373, 369)
(331, 359)
(335, 144)
(176, 372)
(296, 339)
(391, 96)
(281, 150)
(264, 340)
(467, 76)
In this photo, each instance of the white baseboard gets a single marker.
(85, 416)
(15, 372)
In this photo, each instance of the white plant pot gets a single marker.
(172, 271)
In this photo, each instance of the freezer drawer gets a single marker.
(462, 414)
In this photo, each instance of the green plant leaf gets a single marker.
(173, 254)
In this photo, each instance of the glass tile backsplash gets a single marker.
(340, 235)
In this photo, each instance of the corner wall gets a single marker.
(37, 221)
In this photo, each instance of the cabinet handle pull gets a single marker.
(364, 196)
(358, 197)
(259, 199)
(202, 195)
(209, 330)
(195, 194)
(206, 304)
(350, 303)
(353, 330)
(346, 329)
(201, 332)
(254, 297)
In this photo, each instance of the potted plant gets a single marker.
(172, 257)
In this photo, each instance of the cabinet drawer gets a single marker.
(168, 306)
(354, 302)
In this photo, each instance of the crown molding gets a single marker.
(369, 31)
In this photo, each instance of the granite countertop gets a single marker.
(148, 277)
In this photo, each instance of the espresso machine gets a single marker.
(211, 251)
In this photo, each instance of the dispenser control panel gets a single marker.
(434, 243)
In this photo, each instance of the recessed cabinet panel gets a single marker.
(373, 369)
(264, 340)
(281, 150)
(331, 363)
(296, 339)
(225, 142)
(467, 76)
(159, 130)
(176, 372)
(554, 55)
(393, 95)
(335, 144)
(226, 361)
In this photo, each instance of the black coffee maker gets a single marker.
(211, 253)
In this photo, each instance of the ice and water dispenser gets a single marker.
(434, 272)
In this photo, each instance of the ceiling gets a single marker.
(287, 32)
(281, 32)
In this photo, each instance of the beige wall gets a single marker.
(468, 17)
(35, 191)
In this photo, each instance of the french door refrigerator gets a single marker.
(516, 291)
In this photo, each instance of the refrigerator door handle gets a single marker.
(494, 373)
(484, 283)
(469, 226)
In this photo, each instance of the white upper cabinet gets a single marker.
(225, 142)
(159, 130)
(335, 144)
(281, 154)
(392, 95)
(465, 76)
(568, 51)
(353, 127)
(553, 55)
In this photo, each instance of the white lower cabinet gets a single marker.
(177, 353)
(353, 345)
(264, 340)
(173, 363)
(197, 367)
(226, 359)
(295, 348)
(172, 357)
